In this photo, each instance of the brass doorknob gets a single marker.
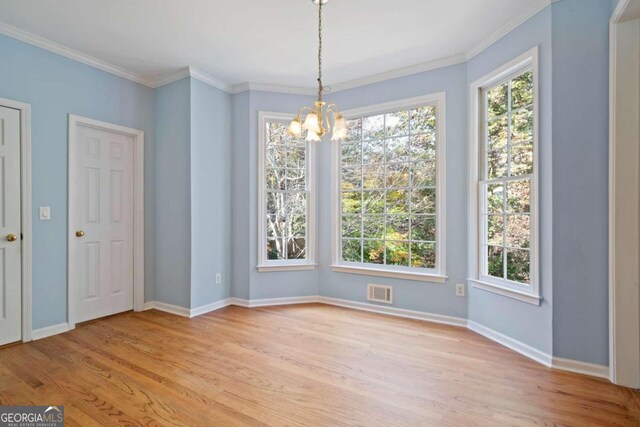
(12, 237)
(79, 233)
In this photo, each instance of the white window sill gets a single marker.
(396, 274)
(507, 292)
(285, 267)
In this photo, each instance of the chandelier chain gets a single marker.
(320, 88)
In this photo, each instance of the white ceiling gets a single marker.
(267, 41)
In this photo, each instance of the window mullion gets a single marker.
(504, 190)
(384, 183)
(410, 192)
(361, 194)
(284, 209)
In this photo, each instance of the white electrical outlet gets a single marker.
(460, 289)
(218, 278)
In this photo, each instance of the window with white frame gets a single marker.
(286, 197)
(390, 181)
(506, 171)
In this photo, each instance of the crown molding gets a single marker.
(170, 78)
(518, 20)
(619, 10)
(211, 81)
(399, 72)
(54, 47)
(266, 87)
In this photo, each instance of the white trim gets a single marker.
(383, 272)
(513, 344)
(25, 213)
(562, 364)
(287, 267)
(211, 81)
(504, 291)
(394, 311)
(61, 50)
(268, 302)
(48, 331)
(195, 74)
(624, 306)
(267, 87)
(527, 59)
(438, 274)
(584, 368)
(399, 72)
(264, 264)
(209, 307)
(167, 308)
(518, 20)
(170, 78)
(240, 302)
(617, 13)
(138, 207)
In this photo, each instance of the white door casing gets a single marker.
(624, 210)
(10, 227)
(105, 219)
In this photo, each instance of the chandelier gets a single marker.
(318, 120)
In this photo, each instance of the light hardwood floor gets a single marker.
(307, 364)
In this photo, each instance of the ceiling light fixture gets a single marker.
(318, 120)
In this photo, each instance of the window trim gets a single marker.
(437, 275)
(264, 264)
(530, 294)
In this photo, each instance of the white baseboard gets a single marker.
(578, 367)
(394, 311)
(513, 344)
(273, 301)
(48, 331)
(168, 308)
(569, 365)
(209, 307)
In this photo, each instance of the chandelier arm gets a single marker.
(333, 108)
(302, 110)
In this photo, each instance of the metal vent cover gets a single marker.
(380, 293)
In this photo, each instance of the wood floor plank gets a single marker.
(308, 364)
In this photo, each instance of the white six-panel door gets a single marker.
(10, 237)
(101, 255)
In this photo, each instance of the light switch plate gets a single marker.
(460, 289)
(45, 213)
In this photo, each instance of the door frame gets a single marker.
(138, 209)
(624, 304)
(26, 224)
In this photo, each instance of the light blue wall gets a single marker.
(580, 185)
(56, 86)
(527, 323)
(430, 297)
(247, 281)
(173, 193)
(193, 200)
(240, 163)
(210, 193)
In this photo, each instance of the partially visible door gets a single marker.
(102, 236)
(10, 238)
